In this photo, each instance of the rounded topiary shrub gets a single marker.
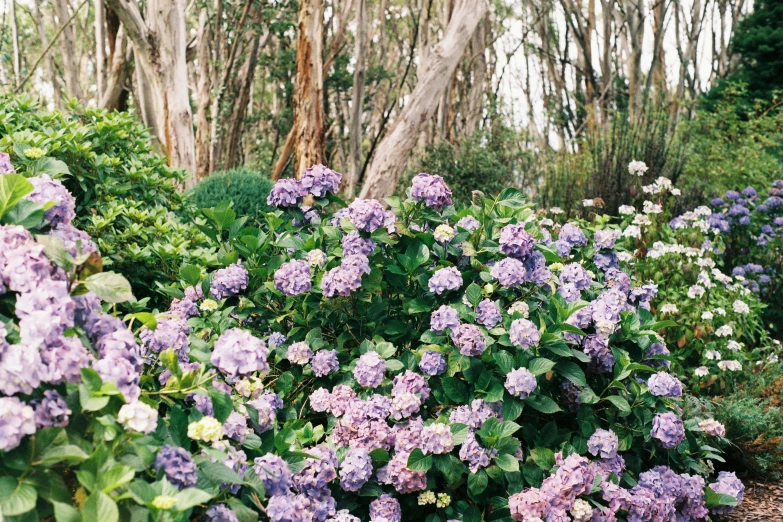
(245, 188)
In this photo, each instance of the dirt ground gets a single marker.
(763, 502)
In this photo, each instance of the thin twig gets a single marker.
(45, 51)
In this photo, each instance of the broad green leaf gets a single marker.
(67, 453)
(455, 389)
(540, 366)
(543, 457)
(110, 287)
(100, 508)
(221, 404)
(473, 293)
(13, 187)
(65, 512)
(16, 498)
(620, 403)
(418, 461)
(542, 403)
(219, 472)
(507, 463)
(572, 372)
(25, 213)
(187, 498)
(477, 482)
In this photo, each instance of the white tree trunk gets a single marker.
(357, 98)
(434, 78)
(100, 47)
(118, 72)
(160, 43)
(15, 38)
(68, 52)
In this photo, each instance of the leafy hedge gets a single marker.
(245, 188)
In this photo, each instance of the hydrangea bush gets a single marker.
(358, 364)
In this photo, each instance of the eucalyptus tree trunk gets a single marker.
(434, 78)
(159, 42)
(68, 52)
(15, 38)
(203, 96)
(309, 88)
(51, 70)
(100, 49)
(357, 97)
(118, 73)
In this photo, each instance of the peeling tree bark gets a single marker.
(118, 74)
(308, 92)
(68, 53)
(100, 49)
(434, 79)
(357, 97)
(160, 42)
(202, 93)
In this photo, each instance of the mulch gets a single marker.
(763, 503)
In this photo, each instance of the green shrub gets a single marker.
(245, 188)
(125, 192)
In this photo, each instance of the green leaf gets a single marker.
(620, 403)
(416, 255)
(473, 293)
(100, 508)
(13, 187)
(191, 274)
(543, 457)
(455, 389)
(16, 498)
(540, 366)
(418, 461)
(187, 498)
(116, 476)
(472, 514)
(477, 482)
(26, 214)
(507, 428)
(65, 512)
(507, 463)
(572, 372)
(543, 404)
(459, 432)
(66, 453)
(110, 287)
(219, 472)
(147, 319)
(714, 499)
(221, 404)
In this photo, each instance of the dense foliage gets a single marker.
(462, 365)
(758, 41)
(246, 189)
(125, 194)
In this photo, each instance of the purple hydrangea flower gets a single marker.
(488, 313)
(6, 167)
(521, 383)
(524, 333)
(516, 242)
(606, 238)
(509, 272)
(385, 508)
(235, 427)
(437, 439)
(353, 243)
(469, 339)
(299, 353)
(572, 235)
(293, 278)
(602, 357)
(220, 513)
(469, 223)
(442, 318)
(668, 429)
(343, 516)
(663, 384)
(21, 369)
(169, 333)
(77, 242)
(432, 190)
(229, 281)
(367, 215)
(445, 279)
(574, 273)
(178, 466)
(369, 370)
(603, 444)
(62, 361)
(474, 454)
(289, 508)
(46, 189)
(346, 278)
(325, 362)
(432, 363)
(319, 181)
(17, 419)
(287, 192)
(728, 484)
(237, 353)
(356, 469)
(274, 474)
(318, 471)
(51, 411)
(122, 372)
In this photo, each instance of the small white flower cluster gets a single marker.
(696, 291)
(732, 366)
(648, 207)
(626, 210)
(637, 168)
(661, 185)
(740, 307)
(669, 308)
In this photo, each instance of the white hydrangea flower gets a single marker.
(316, 257)
(632, 231)
(712, 355)
(732, 366)
(519, 307)
(707, 316)
(626, 210)
(701, 371)
(588, 203)
(624, 256)
(724, 331)
(443, 233)
(556, 210)
(734, 346)
(740, 307)
(427, 497)
(719, 311)
(637, 168)
(642, 220)
(138, 416)
(669, 308)
(648, 207)
(581, 511)
(676, 192)
(696, 291)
